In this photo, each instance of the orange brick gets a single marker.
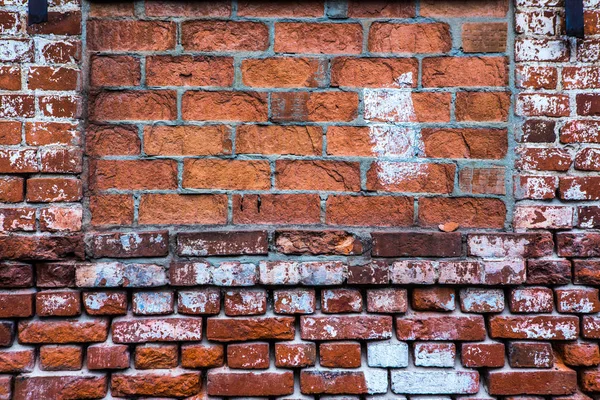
(467, 212)
(324, 38)
(317, 175)
(187, 140)
(272, 139)
(224, 106)
(283, 72)
(387, 37)
(227, 174)
(465, 71)
(369, 210)
(183, 209)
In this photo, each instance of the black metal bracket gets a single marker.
(38, 11)
(574, 17)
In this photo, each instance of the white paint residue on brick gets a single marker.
(574, 192)
(376, 380)
(393, 106)
(387, 355)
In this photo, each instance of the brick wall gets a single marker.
(299, 199)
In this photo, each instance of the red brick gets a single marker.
(156, 384)
(60, 51)
(465, 143)
(336, 301)
(317, 242)
(206, 301)
(482, 106)
(14, 275)
(109, 140)
(373, 72)
(407, 177)
(187, 140)
(591, 22)
(129, 244)
(189, 71)
(549, 272)
(461, 328)
(252, 384)
(156, 356)
(530, 355)
(556, 381)
(61, 160)
(580, 354)
(467, 212)
(534, 327)
(536, 77)
(17, 361)
(59, 23)
(11, 189)
(333, 382)
(416, 244)
(52, 78)
(107, 357)
(346, 327)
(134, 105)
(114, 71)
(541, 104)
(271, 139)
(107, 35)
(371, 210)
(484, 37)
(134, 174)
(253, 328)
(298, 301)
(295, 355)
(245, 302)
(537, 131)
(50, 331)
(340, 355)
(10, 132)
(38, 247)
(105, 303)
(314, 106)
(61, 106)
(224, 36)
(535, 187)
(202, 356)
(389, 301)
(296, 9)
(409, 38)
(17, 219)
(267, 209)
(375, 273)
(49, 133)
(60, 358)
(15, 106)
(10, 78)
(433, 299)
(317, 175)
(582, 301)
(381, 9)
(111, 209)
(477, 355)
(112, 9)
(182, 8)
(59, 304)
(465, 71)
(157, 330)
(15, 161)
(283, 72)
(326, 38)
(543, 159)
(227, 174)
(469, 8)
(225, 106)
(248, 356)
(60, 386)
(482, 180)
(182, 209)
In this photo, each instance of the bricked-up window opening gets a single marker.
(318, 198)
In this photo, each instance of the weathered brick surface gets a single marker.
(261, 199)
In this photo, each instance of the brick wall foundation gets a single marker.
(299, 199)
